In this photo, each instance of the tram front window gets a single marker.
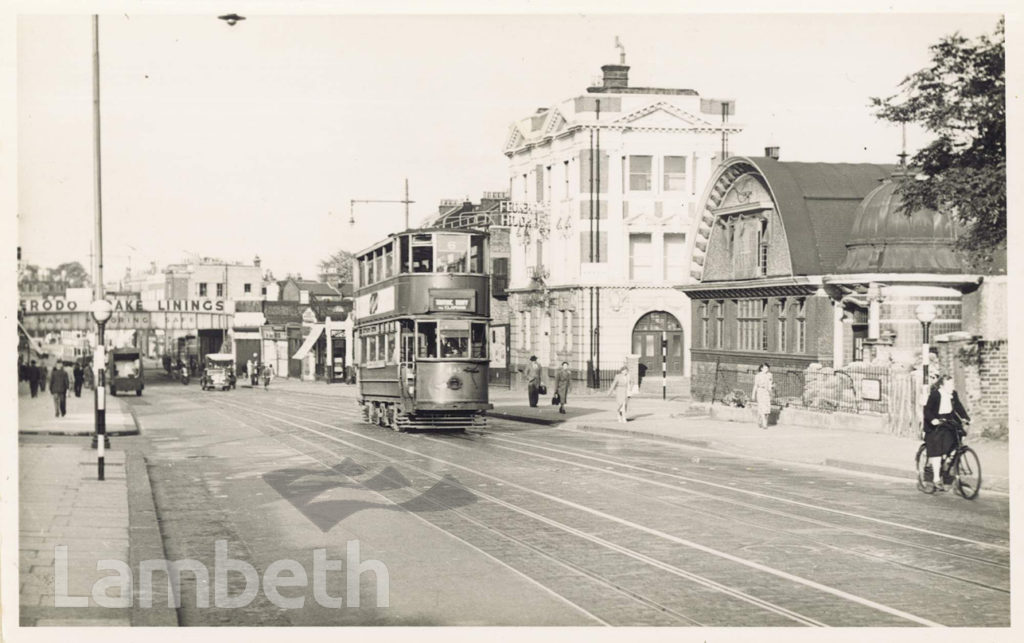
(479, 343)
(426, 339)
(452, 250)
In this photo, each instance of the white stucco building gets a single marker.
(604, 188)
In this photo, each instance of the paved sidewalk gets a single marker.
(850, 450)
(62, 504)
(36, 414)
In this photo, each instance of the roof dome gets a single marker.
(883, 239)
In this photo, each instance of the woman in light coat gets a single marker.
(762, 394)
(620, 389)
(562, 380)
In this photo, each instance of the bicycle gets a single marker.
(961, 468)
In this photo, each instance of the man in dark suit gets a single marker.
(79, 375)
(32, 374)
(59, 389)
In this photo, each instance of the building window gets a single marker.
(640, 264)
(568, 330)
(263, 290)
(704, 339)
(640, 173)
(220, 290)
(762, 248)
(781, 329)
(764, 325)
(528, 336)
(719, 324)
(247, 288)
(600, 249)
(751, 325)
(675, 174)
(202, 289)
(801, 326)
(674, 244)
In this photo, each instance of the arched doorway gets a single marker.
(647, 337)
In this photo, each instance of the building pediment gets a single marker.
(556, 123)
(516, 139)
(663, 115)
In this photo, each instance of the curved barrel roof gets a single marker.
(818, 203)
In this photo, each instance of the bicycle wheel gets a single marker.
(924, 472)
(968, 473)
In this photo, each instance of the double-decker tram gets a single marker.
(422, 311)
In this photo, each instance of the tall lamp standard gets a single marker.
(101, 310)
(926, 315)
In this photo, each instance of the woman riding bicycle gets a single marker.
(943, 414)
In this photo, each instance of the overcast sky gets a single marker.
(252, 139)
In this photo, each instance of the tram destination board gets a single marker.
(452, 300)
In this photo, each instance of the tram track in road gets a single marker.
(891, 558)
(728, 487)
(782, 576)
(607, 582)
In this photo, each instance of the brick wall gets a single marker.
(980, 373)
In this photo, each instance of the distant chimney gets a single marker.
(256, 261)
(772, 152)
(615, 76)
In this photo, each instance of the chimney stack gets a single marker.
(772, 152)
(615, 76)
(256, 261)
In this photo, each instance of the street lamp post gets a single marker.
(926, 315)
(101, 310)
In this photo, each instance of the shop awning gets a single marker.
(315, 330)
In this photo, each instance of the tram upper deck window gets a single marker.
(423, 253)
(476, 254)
(389, 262)
(452, 252)
(403, 257)
(426, 339)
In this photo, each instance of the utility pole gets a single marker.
(352, 205)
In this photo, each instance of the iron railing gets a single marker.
(857, 389)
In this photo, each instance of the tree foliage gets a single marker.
(960, 98)
(337, 268)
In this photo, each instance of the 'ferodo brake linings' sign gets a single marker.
(62, 305)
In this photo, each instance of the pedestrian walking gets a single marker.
(79, 376)
(41, 373)
(254, 371)
(268, 374)
(620, 389)
(59, 389)
(562, 379)
(762, 394)
(533, 380)
(32, 374)
(90, 375)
